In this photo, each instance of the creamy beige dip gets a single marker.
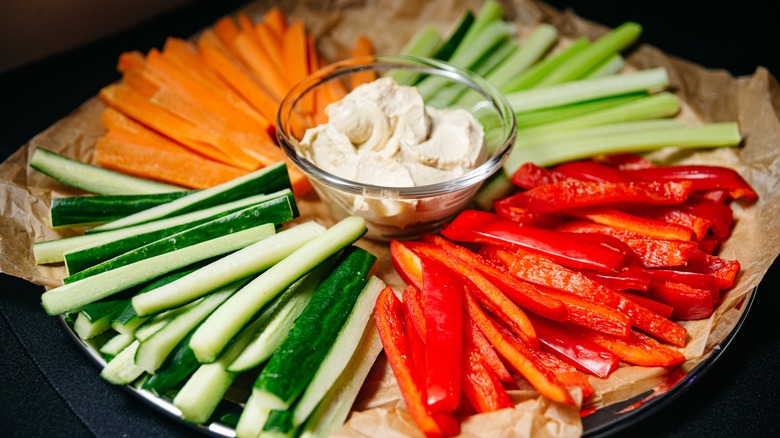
(383, 134)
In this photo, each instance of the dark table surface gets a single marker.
(49, 387)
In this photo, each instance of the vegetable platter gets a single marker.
(76, 133)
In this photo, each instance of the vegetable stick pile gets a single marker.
(197, 114)
(585, 267)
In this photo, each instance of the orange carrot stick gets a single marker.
(271, 43)
(226, 29)
(261, 65)
(296, 59)
(122, 128)
(362, 48)
(130, 60)
(276, 21)
(182, 168)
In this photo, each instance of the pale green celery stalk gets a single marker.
(531, 139)
(493, 35)
(612, 65)
(588, 89)
(424, 43)
(496, 58)
(531, 50)
(654, 106)
(600, 49)
(529, 120)
(490, 12)
(529, 78)
(723, 134)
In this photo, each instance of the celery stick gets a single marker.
(423, 44)
(555, 114)
(532, 49)
(609, 66)
(535, 73)
(532, 139)
(723, 134)
(490, 12)
(496, 58)
(654, 106)
(448, 47)
(603, 47)
(486, 41)
(588, 89)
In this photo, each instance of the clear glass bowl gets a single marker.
(402, 212)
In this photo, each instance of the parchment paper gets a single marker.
(707, 95)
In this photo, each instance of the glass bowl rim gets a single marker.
(404, 62)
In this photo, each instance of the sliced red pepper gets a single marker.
(521, 293)
(630, 278)
(710, 245)
(590, 314)
(504, 208)
(693, 279)
(689, 303)
(537, 269)
(529, 175)
(725, 271)
(663, 253)
(415, 308)
(516, 353)
(675, 215)
(589, 170)
(625, 161)
(586, 226)
(612, 242)
(653, 305)
(406, 263)
(390, 322)
(488, 294)
(647, 227)
(716, 195)
(416, 345)
(479, 382)
(569, 194)
(719, 214)
(567, 374)
(702, 177)
(640, 349)
(487, 353)
(442, 295)
(574, 349)
(484, 227)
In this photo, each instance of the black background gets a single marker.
(48, 387)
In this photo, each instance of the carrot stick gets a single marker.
(361, 48)
(271, 42)
(226, 30)
(296, 59)
(261, 65)
(122, 128)
(130, 60)
(276, 21)
(182, 168)
(229, 68)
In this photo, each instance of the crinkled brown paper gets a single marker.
(708, 96)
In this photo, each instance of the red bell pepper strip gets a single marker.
(640, 349)
(647, 227)
(716, 195)
(417, 350)
(407, 264)
(630, 278)
(607, 240)
(675, 215)
(589, 170)
(725, 271)
(587, 313)
(585, 226)
(537, 269)
(567, 374)
(415, 308)
(689, 303)
(566, 195)
(516, 353)
(521, 293)
(653, 305)
(662, 253)
(719, 214)
(702, 177)
(442, 295)
(488, 294)
(529, 175)
(487, 353)
(479, 382)
(484, 227)
(710, 245)
(625, 161)
(574, 349)
(503, 208)
(693, 279)
(390, 322)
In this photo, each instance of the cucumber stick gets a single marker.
(74, 295)
(341, 352)
(154, 350)
(53, 251)
(267, 180)
(77, 211)
(88, 262)
(116, 344)
(122, 370)
(217, 330)
(93, 179)
(335, 406)
(278, 318)
(241, 264)
(179, 365)
(294, 364)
